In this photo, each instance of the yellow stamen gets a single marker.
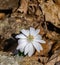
(30, 38)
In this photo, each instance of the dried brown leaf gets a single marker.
(24, 6)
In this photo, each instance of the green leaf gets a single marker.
(21, 53)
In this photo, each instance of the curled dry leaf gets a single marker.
(46, 48)
(24, 6)
(53, 61)
(53, 35)
(56, 46)
(51, 11)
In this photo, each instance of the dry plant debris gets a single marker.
(40, 14)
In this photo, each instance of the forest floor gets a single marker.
(23, 14)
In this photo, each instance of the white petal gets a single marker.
(32, 31)
(21, 47)
(20, 36)
(25, 32)
(38, 37)
(37, 31)
(20, 41)
(31, 50)
(41, 41)
(37, 46)
(26, 49)
(18, 47)
(41, 47)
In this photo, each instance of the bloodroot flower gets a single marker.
(29, 41)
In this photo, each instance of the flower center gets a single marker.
(30, 38)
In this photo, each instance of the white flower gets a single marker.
(29, 41)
